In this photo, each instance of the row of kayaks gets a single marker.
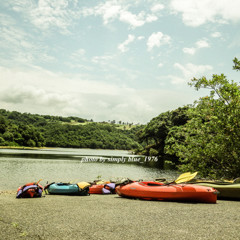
(205, 192)
(34, 189)
(81, 188)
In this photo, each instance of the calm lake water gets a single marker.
(18, 167)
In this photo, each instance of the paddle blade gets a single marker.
(183, 175)
(185, 178)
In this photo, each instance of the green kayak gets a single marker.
(230, 191)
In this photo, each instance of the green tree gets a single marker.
(3, 124)
(156, 131)
(31, 143)
(2, 141)
(210, 142)
(8, 136)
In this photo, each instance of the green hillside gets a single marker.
(33, 130)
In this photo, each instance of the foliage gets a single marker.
(92, 135)
(33, 130)
(209, 141)
(19, 135)
(156, 131)
(236, 64)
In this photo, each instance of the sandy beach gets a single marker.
(112, 217)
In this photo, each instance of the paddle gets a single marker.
(185, 177)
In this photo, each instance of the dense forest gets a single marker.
(203, 136)
(33, 130)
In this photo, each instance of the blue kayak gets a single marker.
(67, 189)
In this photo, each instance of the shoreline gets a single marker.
(23, 148)
(40, 148)
(112, 217)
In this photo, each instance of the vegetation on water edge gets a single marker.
(203, 136)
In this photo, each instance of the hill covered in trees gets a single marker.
(33, 130)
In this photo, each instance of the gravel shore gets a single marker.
(106, 217)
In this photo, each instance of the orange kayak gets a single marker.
(96, 189)
(172, 192)
(102, 188)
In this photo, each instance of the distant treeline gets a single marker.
(33, 130)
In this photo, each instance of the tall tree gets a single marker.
(210, 141)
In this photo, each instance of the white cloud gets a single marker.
(19, 46)
(117, 10)
(102, 59)
(108, 11)
(190, 51)
(175, 80)
(52, 13)
(45, 14)
(160, 65)
(123, 46)
(28, 94)
(36, 91)
(79, 54)
(132, 19)
(11, 36)
(140, 37)
(157, 39)
(157, 7)
(203, 43)
(151, 18)
(195, 12)
(189, 71)
(216, 35)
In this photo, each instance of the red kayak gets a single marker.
(171, 192)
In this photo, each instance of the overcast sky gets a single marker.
(127, 60)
